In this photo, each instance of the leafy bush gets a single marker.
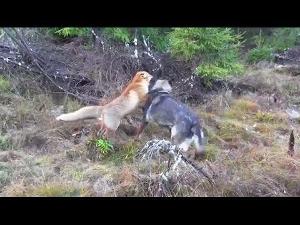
(157, 37)
(218, 48)
(279, 40)
(189, 42)
(284, 38)
(68, 32)
(119, 34)
(260, 54)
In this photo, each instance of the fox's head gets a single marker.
(142, 76)
(139, 83)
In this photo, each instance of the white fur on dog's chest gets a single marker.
(148, 114)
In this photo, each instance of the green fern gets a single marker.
(104, 146)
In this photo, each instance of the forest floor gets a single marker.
(247, 145)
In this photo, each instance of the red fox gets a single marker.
(110, 114)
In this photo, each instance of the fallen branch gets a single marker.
(155, 148)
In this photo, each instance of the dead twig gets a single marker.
(291, 150)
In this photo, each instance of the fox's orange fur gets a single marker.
(111, 113)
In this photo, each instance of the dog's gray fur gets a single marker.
(164, 110)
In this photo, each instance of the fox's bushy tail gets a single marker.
(88, 112)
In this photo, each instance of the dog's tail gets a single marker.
(88, 112)
(198, 138)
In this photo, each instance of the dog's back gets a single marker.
(165, 110)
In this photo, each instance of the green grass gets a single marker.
(55, 190)
(5, 143)
(5, 174)
(264, 117)
(5, 85)
(241, 109)
(212, 152)
(125, 153)
(72, 105)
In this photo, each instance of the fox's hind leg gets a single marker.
(140, 129)
(110, 124)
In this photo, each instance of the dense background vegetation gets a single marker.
(248, 112)
(216, 52)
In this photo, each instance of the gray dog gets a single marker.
(163, 109)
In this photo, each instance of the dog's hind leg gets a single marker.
(198, 138)
(179, 139)
(198, 145)
(185, 144)
(173, 133)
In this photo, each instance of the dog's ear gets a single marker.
(158, 74)
(149, 64)
(162, 85)
(145, 66)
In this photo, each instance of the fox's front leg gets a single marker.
(109, 133)
(99, 126)
(104, 131)
(101, 129)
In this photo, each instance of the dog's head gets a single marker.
(162, 85)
